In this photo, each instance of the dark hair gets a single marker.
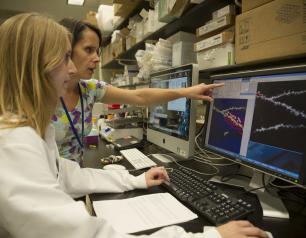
(76, 27)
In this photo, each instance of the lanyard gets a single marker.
(70, 121)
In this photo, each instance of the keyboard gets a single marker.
(137, 158)
(205, 197)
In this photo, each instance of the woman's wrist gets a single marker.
(182, 92)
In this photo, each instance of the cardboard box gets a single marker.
(107, 54)
(118, 47)
(125, 1)
(273, 31)
(182, 36)
(125, 9)
(223, 37)
(215, 25)
(196, 1)
(149, 27)
(130, 41)
(169, 10)
(227, 10)
(182, 53)
(91, 18)
(221, 55)
(139, 31)
(248, 5)
(157, 24)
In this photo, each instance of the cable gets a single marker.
(208, 174)
(254, 189)
(202, 150)
(251, 190)
(281, 187)
(201, 159)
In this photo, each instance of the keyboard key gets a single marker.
(206, 198)
(137, 158)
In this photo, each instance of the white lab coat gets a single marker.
(36, 198)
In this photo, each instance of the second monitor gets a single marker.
(172, 124)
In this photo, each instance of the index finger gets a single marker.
(164, 173)
(214, 85)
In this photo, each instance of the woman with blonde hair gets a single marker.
(37, 187)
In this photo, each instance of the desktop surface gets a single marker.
(280, 228)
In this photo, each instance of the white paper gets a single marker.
(143, 212)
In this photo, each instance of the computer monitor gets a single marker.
(171, 125)
(258, 119)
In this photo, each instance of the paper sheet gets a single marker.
(143, 212)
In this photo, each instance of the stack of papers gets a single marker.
(143, 212)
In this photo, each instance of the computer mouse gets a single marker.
(114, 167)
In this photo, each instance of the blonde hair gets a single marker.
(31, 46)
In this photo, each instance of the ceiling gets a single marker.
(57, 9)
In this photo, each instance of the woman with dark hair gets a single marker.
(72, 119)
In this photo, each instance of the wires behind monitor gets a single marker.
(204, 156)
(202, 173)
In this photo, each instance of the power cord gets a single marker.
(201, 149)
(250, 190)
(203, 160)
(178, 164)
(264, 185)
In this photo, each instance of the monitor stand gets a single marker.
(272, 205)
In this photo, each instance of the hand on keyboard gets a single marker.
(235, 229)
(206, 198)
(156, 176)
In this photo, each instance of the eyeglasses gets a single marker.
(92, 50)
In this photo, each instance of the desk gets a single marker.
(295, 227)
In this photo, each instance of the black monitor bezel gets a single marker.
(252, 73)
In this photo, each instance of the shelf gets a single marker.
(137, 9)
(189, 22)
(133, 85)
(127, 109)
(255, 65)
(115, 123)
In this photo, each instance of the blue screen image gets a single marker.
(228, 117)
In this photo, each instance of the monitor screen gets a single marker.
(171, 125)
(172, 117)
(260, 121)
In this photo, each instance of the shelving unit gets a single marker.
(137, 9)
(133, 85)
(205, 74)
(127, 109)
(193, 18)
